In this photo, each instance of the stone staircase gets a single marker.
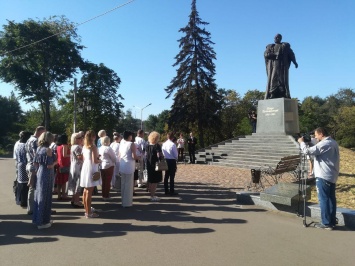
(252, 151)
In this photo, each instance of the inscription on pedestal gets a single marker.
(270, 111)
(278, 116)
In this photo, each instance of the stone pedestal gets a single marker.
(278, 116)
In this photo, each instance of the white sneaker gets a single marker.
(95, 210)
(44, 226)
(154, 199)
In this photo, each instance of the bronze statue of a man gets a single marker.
(278, 58)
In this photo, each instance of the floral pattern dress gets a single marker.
(43, 193)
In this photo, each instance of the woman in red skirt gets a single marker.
(63, 153)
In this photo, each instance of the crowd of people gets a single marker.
(47, 165)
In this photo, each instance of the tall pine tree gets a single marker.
(196, 100)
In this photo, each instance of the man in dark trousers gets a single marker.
(171, 155)
(191, 144)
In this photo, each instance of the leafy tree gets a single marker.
(158, 122)
(346, 97)
(332, 105)
(345, 120)
(251, 98)
(234, 113)
(229, 115)
(244, 127)
(37, 56)
(99, 87)
(196, 100)
(33, 118)
(11, 119)
(311, 115)
(59, 125)
(248, 103)
(128, 122)
(151, 123)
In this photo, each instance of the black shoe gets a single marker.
(75, 205)
(167, 193)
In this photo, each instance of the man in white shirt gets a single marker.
(140, 144)
(171, 155)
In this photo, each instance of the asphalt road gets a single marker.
(202, 226)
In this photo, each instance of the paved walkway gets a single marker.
(203, 226)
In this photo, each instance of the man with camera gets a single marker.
(326, 171)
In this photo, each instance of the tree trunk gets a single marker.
(47, 115)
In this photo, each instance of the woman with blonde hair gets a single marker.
(101, 134)
(90, 165)
(76, 163)
(154, 153)
(108, 158)
(44, 160)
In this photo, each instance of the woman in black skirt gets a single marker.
(154, 153)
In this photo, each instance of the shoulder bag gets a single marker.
(96, 175)
(64, 170)
(161, 165)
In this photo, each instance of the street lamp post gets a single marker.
(75, 91)
(142, 113)
(83, 107)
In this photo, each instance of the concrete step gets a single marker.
(254, 151)
(254, 148)
(258, 142)
(241, 165)
(258, 151)
(256, 157)
(259, 145)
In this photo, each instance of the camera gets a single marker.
(306, 137)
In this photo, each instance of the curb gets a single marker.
(346, 217)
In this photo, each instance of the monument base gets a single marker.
(278, 116)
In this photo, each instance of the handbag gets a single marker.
(64, 170)
(162, 165)
(145, 175)
(96, 176)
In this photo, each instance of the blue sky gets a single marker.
(139, 42)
